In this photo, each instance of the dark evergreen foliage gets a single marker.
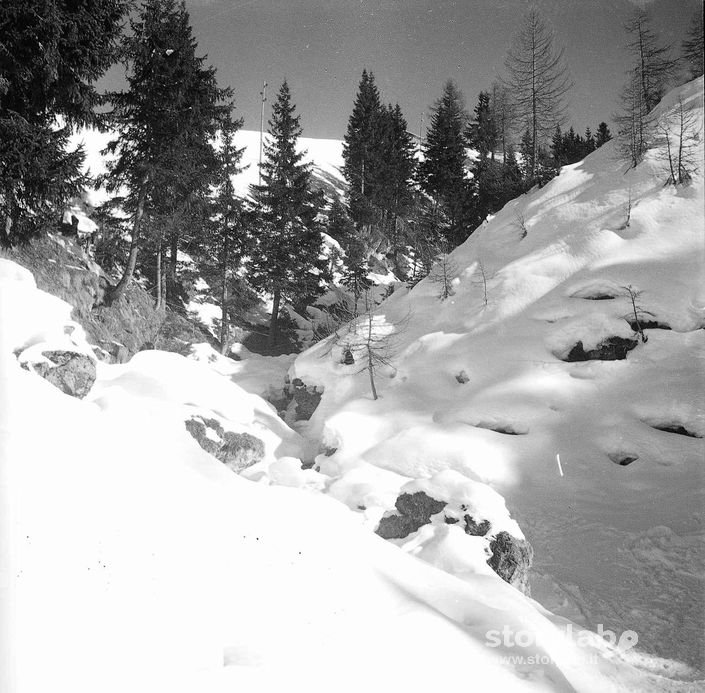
(165, 123)
(51, 55)
(286, 260)
(442, 172)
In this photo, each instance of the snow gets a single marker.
(139, 562)
(136, 561)
(522, 406)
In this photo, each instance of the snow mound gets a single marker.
(481, 361)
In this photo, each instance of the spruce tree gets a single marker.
(228, 232)
(693, 46)
(539, 82)
(603, 134)
(51, 55)
(286, 260)
(362, 151)
(482, 132)
(165, 123)
(442, 172)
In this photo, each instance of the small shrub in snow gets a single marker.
(634, 318)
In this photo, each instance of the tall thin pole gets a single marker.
(420, 131)
(263, 94)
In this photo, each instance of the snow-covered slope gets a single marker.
(133, 560)
(325, 157)
(601, 462)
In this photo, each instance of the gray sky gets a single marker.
(413, 47)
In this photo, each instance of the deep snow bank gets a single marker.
(136, 561)
(599, 461)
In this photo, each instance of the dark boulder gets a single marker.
(511, 559)
(71, 372)
(611, 349)
(415, 510)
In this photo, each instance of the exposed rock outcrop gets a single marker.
(611, 349)
(415, 510)
(71, 372)
(509, 556)
(237, 451)
(511, 559)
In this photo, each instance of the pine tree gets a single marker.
(651, 62)
(51, 55)
(482, 132)
(589, 144)
(165, 123)
(442, 172)
(558, 149)
(693, 46)
(394, 194)
(286, 262)
(228, 230)
(362, 151)
(603, 134)
(539, 81)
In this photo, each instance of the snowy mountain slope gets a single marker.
(138, 562)
(325, 157)
(599, 461)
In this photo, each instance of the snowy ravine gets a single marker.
(133, 560)
(600, 462)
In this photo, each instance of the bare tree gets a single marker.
(503, 114)
(443, 273)
(634, 318)
(538, 80)
(652, 62)
(679, 132)
(634, 125)
(693, 46)
(369, 342)
(481, 280)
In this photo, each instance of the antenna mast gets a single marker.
(263, 94)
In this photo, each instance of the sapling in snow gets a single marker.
(369, 342)
(443, 273)
(637, 311)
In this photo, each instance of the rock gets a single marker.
(237, 451)
(415, 510)
(511, 559)
(462, 377)
(476, 529)
(240, 451)
(611, 349)
(306, 398)
(72, 372)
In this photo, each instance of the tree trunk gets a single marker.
(173, 258)
(224, 299)
(122, 285)
(274, 321)
(160, 297)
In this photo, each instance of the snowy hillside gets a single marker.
(600, 461)
(325, 156)
(134, 560)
